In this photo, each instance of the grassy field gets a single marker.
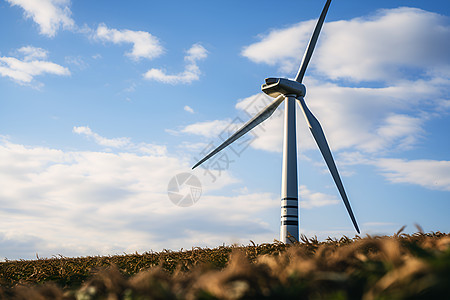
(390, 267)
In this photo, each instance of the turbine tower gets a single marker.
(291, 90)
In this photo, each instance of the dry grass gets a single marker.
(399, 267)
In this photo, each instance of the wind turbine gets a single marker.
(290, 90)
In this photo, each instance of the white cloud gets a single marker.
(188, 109)
(33, 64)
(401, 129)
(310, 199)
(430, 174)
(209, 129)
(387, 46)
(191, 73)
(195, 53)
(122, 143)
(193, 147)
(31, 53)
(401, 40)
(294, 40)
(116, 142)
(145, 45)
(112, 203)
(50, 15)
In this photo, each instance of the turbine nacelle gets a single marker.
(275, 87)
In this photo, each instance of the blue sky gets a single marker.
(103, 102)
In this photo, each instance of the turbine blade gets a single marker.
(312, 44)
(321, 141)
(252, 123)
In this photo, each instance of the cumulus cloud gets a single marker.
(33, 64)
(195, 53)
(381, 47)
(145, 45)
(50, 15)
(79, 203)
(191, 72)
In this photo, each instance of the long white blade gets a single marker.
(321, 141)
(256, 120)
(312, 44)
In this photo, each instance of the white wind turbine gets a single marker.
(284, 89)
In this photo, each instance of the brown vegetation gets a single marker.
(399, 267)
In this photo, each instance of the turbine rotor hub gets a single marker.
(282, 86)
